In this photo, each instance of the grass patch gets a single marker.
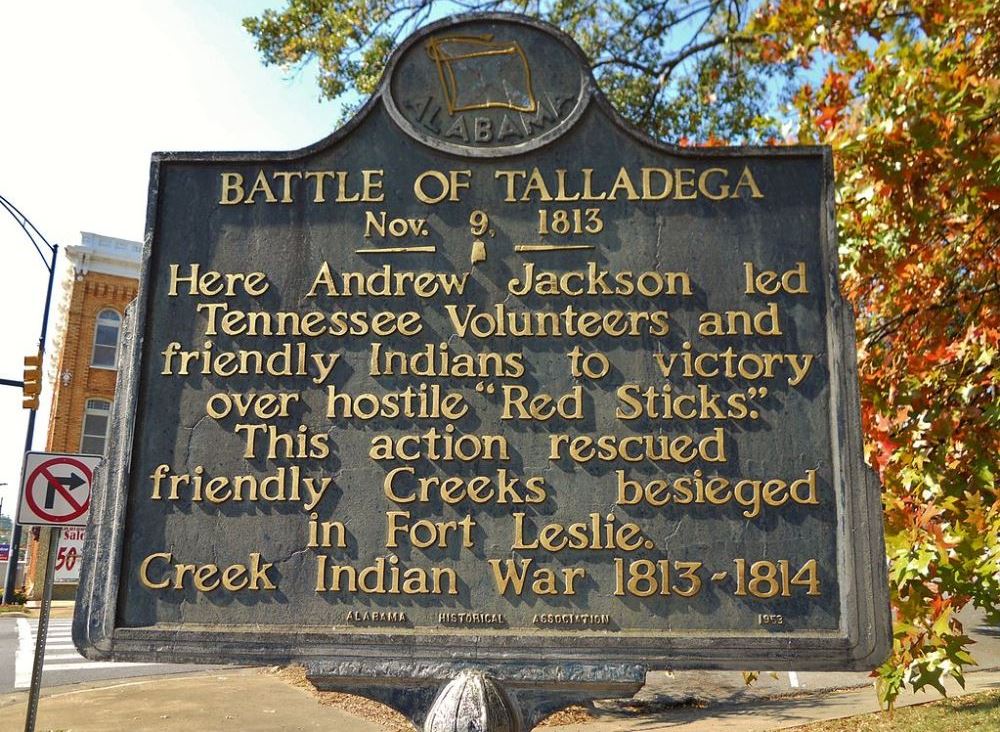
(972, 713)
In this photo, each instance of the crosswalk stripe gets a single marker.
(23, 657)
(59, 638)
(91, 665)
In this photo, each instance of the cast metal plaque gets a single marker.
(487, 377)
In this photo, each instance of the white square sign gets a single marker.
(55, 489)
(70, 555)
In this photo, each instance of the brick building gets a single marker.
(105, 279)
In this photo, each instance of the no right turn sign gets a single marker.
(55, 489)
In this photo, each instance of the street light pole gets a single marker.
(1, 515)
(38, 241)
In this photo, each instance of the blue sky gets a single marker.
(89, 91)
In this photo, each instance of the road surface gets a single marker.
(63, 664)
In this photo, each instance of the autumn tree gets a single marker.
(667, 66)
(907, 92)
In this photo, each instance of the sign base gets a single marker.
(486, 699)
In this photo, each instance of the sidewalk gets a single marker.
(31, 610)
(248, 700)
(759, 713)
(256, 700)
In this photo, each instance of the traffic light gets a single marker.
(32, 380)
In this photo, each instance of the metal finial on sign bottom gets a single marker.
(472, 702)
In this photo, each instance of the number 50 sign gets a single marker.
(70, 555)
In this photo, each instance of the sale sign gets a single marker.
(69, 554)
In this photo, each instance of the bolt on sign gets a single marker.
(489, 380)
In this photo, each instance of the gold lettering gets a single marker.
(684, 186)
(286, 177)
(144, 571)
(261, 186)
(747, 179)
(232, 189)
(703, 185)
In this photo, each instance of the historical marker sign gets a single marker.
(487, 377)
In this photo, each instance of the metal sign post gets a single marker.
(55, 492)
(43, 631)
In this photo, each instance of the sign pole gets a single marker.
(43, 631)
(55, 492)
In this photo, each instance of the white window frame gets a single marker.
(118, 337)
(91, 407)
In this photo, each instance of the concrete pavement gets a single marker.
(255, 700)
(687, 701)
(246, 700)
(759, 714)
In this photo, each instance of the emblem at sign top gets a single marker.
(487, 87)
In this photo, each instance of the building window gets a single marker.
(95, 426)
(109, 325)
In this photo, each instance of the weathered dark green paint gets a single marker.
(161, 420)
